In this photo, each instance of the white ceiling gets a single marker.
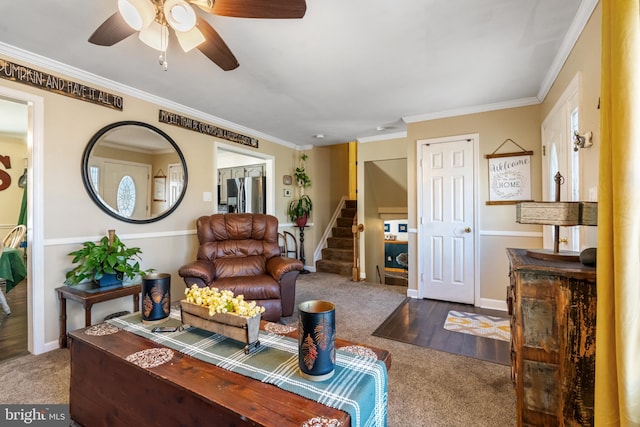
(346, 68)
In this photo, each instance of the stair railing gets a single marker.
(356, 229)
(317, 253)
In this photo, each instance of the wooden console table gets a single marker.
(106, 390)
(88, 294)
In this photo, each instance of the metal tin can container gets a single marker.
(316, 340)
(156, 297)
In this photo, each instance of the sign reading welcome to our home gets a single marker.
(206, 128)
(29, 76)
(509, 177)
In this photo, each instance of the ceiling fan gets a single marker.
(152, 19)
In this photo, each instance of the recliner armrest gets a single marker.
(201, 269)
(278, 266)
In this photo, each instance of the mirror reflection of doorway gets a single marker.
(13, 198)
(131, 201)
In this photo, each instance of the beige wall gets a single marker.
(338, 173)
(328, 168)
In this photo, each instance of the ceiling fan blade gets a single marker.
(113, 30)
(215, 48)
(270, 9)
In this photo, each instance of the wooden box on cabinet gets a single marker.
(553, 326)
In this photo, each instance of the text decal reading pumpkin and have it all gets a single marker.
(206, 128)
(29, 76)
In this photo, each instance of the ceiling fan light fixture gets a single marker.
(138, 14)
(155, 36)
(190, 39)
(180, 15)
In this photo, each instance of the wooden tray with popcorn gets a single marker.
(199, 310)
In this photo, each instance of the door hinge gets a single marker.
(544, 150)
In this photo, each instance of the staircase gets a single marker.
(337, 257)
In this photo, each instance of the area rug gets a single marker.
(478, 324)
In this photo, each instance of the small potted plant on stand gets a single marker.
(300, 208)
(105, 263)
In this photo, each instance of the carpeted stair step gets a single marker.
(342, 268)
(337, 254)
(348, 213)
(337, 257)
(340, 242)
(396, 280)
(345, 222)
(342, 232)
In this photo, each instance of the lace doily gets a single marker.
(277, 328)
(101, 329)
(322, 422)
(151, 357)
(359, 351)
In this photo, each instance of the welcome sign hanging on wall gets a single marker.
(509, 176)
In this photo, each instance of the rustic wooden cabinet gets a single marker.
(553, 324)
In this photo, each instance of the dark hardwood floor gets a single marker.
(420, 322)
(13, 327)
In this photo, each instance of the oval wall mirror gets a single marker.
(134, 172)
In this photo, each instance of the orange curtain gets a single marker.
(617, 395)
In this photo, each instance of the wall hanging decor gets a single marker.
(159, 187)
(509, 176)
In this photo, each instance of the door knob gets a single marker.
(467, 230)
(563, 240)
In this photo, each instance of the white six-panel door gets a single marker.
(447, 221)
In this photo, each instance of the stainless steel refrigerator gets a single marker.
(246, 195)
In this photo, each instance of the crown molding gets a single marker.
(585, 10)
(386, 137)
(76, 73)
(523, 102)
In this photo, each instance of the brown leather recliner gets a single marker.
(240, 252)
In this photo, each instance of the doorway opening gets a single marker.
(559, 156)
(34, 218)
(252, 175)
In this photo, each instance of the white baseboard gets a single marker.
(412, 293)
(51, 345)
(493, 304)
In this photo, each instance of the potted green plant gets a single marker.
(105, 263)
(299, 209)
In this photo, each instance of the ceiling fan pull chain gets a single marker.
(163, 53)
(163, 60)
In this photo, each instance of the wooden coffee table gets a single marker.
(107, 390)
